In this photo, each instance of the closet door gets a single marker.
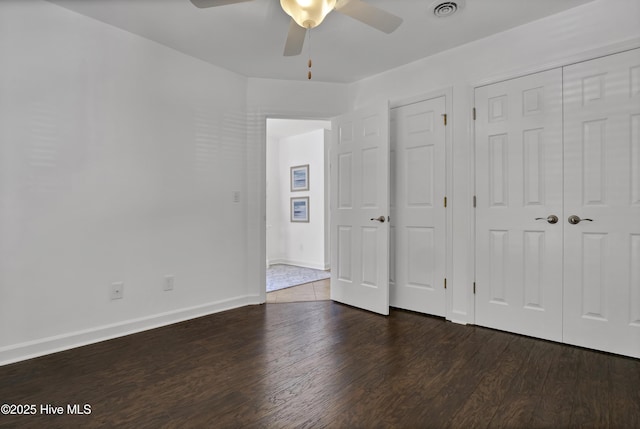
(602, 189)
(519, 205)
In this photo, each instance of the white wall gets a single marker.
(573, 35)
(118, 158)
(296, 243)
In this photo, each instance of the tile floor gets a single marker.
(314, 291)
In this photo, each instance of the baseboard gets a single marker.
(458, 317)
(58, 343)
(305, 264)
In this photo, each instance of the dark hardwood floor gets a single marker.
(322, 364)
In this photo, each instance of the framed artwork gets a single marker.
(300, 178)
(299, 209)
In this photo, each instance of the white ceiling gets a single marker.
(248, 38)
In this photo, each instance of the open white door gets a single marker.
(360, 209)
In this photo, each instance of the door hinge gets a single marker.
(445, 283)
(474, 113)
(444, 116)
(474, 288)
(445, 202)
(474, 201)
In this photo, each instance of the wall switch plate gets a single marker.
(168, 282)
(117, 290)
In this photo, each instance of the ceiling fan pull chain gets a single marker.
(310, 62)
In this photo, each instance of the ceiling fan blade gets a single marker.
(295, 39)
(213, 3)
(370, 15)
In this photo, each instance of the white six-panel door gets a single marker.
(574, 154)
(418, 220)
(602, 187)
(519, 189)
(360, 209)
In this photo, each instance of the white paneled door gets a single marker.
(602, 191)
(418, 220)
(360, 209)
(519, 205)
(558, 204)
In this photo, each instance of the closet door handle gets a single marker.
(574, 220)
(379, 219)
(551, 219)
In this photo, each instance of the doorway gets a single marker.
(297, 212)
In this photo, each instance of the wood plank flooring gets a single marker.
(326, 365)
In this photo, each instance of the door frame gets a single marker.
(262, 177)
(447, 93)
(586, 55)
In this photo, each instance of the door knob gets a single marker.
(574, 220)
(551, 219)
(379, 219)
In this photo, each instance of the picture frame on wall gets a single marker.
(299, 209)
(300, 178)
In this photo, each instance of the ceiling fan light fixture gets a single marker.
(308, 13)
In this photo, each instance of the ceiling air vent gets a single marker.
(447, 8)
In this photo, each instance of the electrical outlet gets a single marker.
(117, 290)
(168, 282)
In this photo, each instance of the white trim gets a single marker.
(304, 264)
(591, 54)
(58, 343)
(470, 315)
(447, 93)
(459, 318)
(327, 198)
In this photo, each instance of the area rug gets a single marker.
(280, 276)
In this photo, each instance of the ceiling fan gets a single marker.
(307, 14)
